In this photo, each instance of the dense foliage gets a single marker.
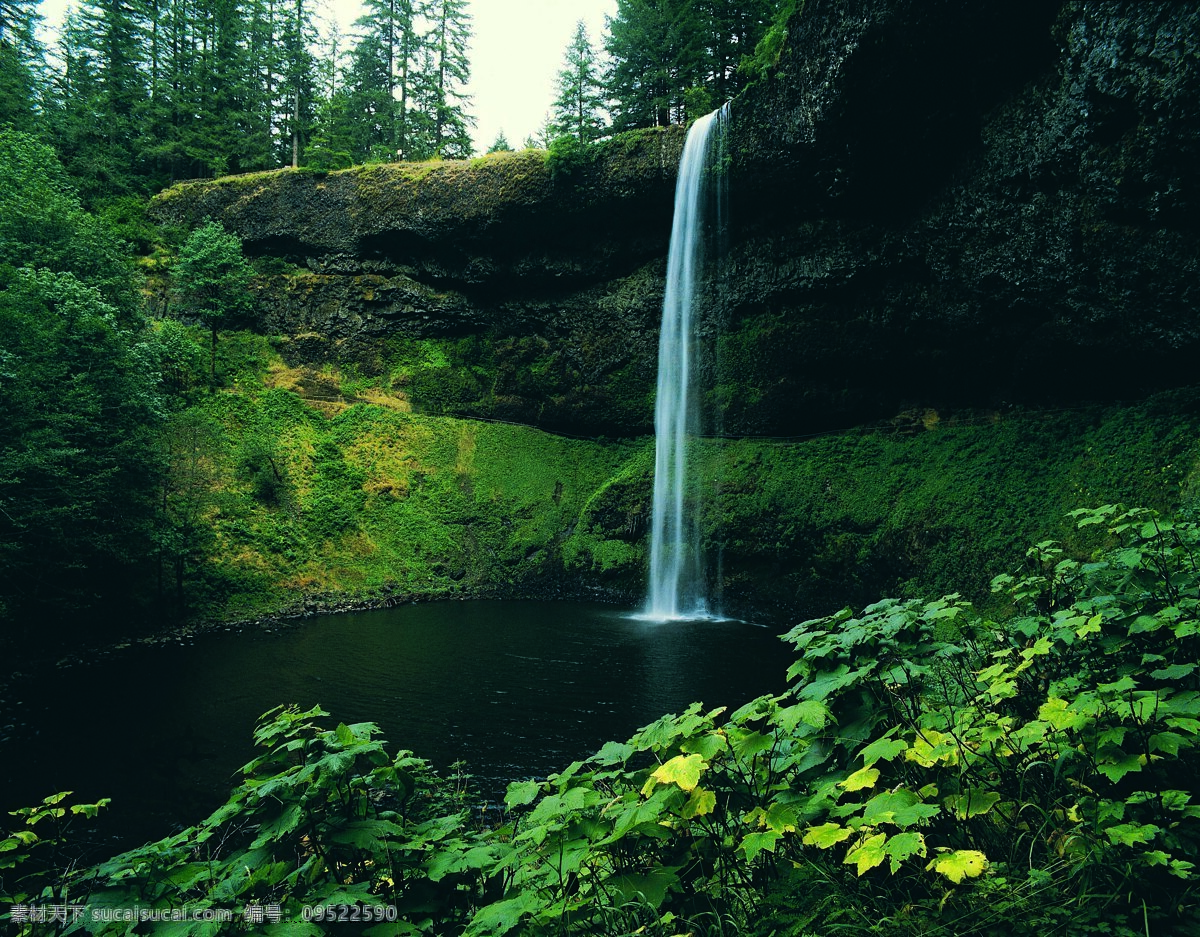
(930, 771)
(79, 402)
(137, 95)
(672, 60)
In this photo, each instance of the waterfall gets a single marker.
(676, 587)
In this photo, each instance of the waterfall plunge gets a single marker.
(676, 575)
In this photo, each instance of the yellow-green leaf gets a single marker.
(700, 804)
(826, 835)
(867, 854)
(682, 771)
(971, 803)
(959, 864)
(862, 778)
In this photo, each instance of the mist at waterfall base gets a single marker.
(676, 588)
(513, 689)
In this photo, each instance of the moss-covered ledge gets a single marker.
(603, 211)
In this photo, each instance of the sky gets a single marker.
(517, 49)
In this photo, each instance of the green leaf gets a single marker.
(868, 853)
(278, 828)
(1115, 768)
(650, 887)
(1131, 834)
(612, 753)
(971, 803)
(809, 712)
(1173, 672)
(860, 779)
(1168, 743)
(682, 770)
(884, 749)
(699, 804)
(902, 846)
(902, 808)
(1144, 624)
(826, 835)
(754, 843)
(502, 916)
(521, 793)
(959, 864)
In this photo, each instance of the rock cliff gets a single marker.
(935, 204)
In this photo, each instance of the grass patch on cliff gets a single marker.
(274, 498)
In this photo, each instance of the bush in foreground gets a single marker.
(929, 772)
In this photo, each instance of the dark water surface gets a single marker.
(514, 689)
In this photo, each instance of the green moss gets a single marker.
(375, 501)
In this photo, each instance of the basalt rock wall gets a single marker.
(934, 204)
(961, 205)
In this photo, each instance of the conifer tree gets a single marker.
(447, 69)
(20, 63)
(578, 108)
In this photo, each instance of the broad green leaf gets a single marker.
(521, 793)
(959, 864)
(699, 804)
(1131, 834)
(809, 712)
(754, 843)
(971, 803)
(903, 845)
(682, 770)
(826, 835)
(280, 827)
(1181, 868)
(748, 744)
(1116, 767)
(502, 916)
(902, 808)
(867, 854)
(613, 753)
(707, 746)
(862, 778)
(1168, 743)
(884, 749)
(650, 886)
(1144, 624)
(1173, 672)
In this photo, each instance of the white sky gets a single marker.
(517, 49)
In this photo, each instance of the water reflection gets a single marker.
(514, 689)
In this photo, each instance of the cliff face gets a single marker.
(553, 264)
(966, 204)
(934, 204)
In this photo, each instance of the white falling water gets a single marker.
(676, 588)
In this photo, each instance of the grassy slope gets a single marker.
(330, 485)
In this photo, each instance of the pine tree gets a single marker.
(297, 103)
(580, 102)
(673, 60)
(641, 75)
(447, 70)
(500, 144)
(21, 62)
(112, 33)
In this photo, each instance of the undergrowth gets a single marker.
(930, 771)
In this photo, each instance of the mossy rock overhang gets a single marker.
(490, 222)
(936, 204)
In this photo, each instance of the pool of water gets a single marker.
(513, 689)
